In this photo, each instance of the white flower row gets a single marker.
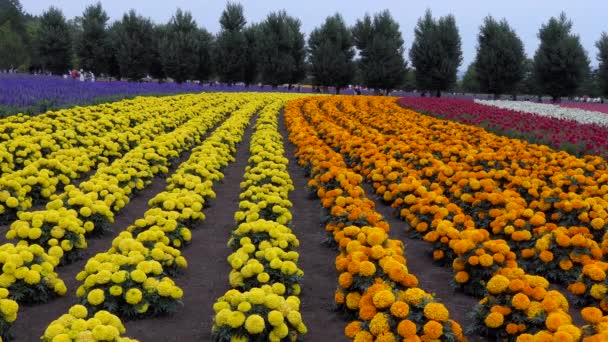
(553, 111)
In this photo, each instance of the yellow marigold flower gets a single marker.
(437, 312)
(598, 291)
(364, 336)
(133, 296)
(379, 324)
(597, 223)
(433, 329)
(367, 269)
(486, 260)
(255, 324)
(494, 320)
(236, 319)
(497, 284)
(96, 297)
(275, 318)
(78, 311)
(384, 299)
(414, 296)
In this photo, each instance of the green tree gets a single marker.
(382, 65)
(230, 60)
(469, 80)
(179, 52)
(204, 69)
(602, 57)
(280, 49)
(331, 54)
(157, 70)
(499, 63)
(436, 53)
(92, 44)
(251, 67)
(11, 11)
(560, 63)
(134, 46)
(53, 42)
(14, 51)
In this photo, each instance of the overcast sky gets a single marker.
(590, 17)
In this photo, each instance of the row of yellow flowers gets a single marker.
(42, 177)
(133, 278)
(408, 174)
(374, 285)
(263, 304)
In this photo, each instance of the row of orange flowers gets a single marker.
(417, 179)
(374, 286)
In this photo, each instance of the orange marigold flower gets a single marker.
(512, 329)
(433, 329)
(565, 264)
(352, 300)
(367, 312)
(400, 309)
(352, 329)
(516, 285)
(345, 280)
(473, 260)
(597, 223)
(339, 297)
(555, 320)
(406, 328)
(577, 288)
(461, 277)
(520, 301)
(494, 320)
(592, 315)
(437, 312)
(546, 256)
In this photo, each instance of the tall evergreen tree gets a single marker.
(436, 53)
(331, 54)
(499, 63)
(280, 49)
(53, 42)
(92, 45)
(560, 63)
(206, 42)
(382, 65)
(179, 53)
(231, 41)
(157, 70)
(12, 11)
(602, 57)
(134, 46)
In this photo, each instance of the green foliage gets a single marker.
(382, 65)
(92, 45)
(602, 57)
(157, 70)
(53, 42)
(14, 50)
(280, 49)
(331, 53)
(499, 64)
(133, 43)
(179, 47)
(469, 80)
(560, 63)
(11, 11)
(436, 53)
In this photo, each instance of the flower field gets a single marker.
(288, 217)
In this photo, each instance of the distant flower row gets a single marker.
(584, 116)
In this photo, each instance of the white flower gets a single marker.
(552, 111)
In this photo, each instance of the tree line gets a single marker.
(275, 51)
